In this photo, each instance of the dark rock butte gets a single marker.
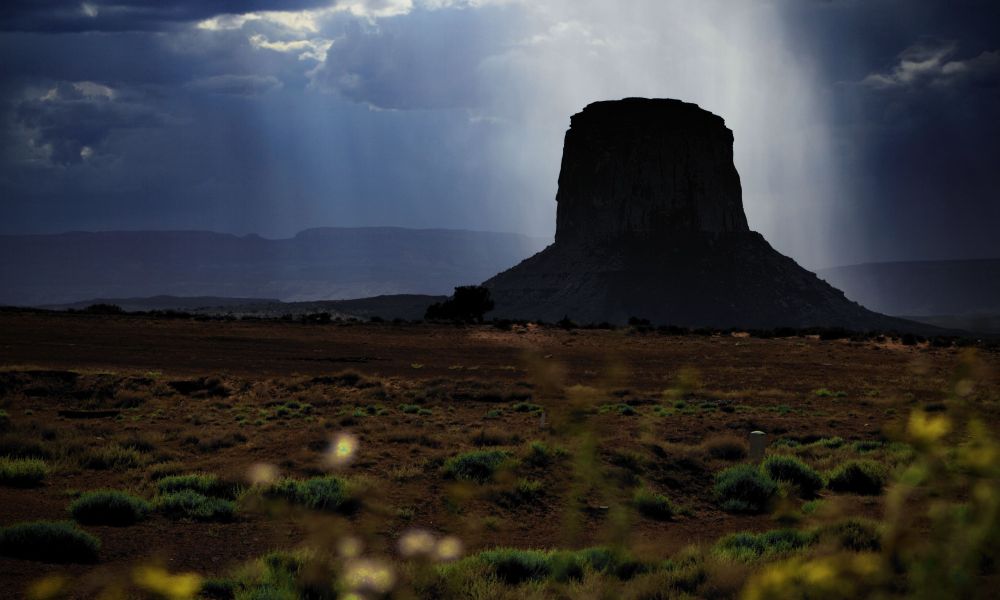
(650, 224)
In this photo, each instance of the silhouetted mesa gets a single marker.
(650, 224)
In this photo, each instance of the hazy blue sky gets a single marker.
(865, 129)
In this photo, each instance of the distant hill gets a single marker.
(187, 303)
(400, 306)
(966, 288)
(317, 264)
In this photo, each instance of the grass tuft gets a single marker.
(513, 566)
(526, 491)
(653, 505)
(205, 484)
(865, 477)
(857, 535)
(112, 458)
(109, 507)
(794, 471)
(478, 466)
(49, 541)
(744, 489)
(728, 447)
(541, 454)
(188, 504)
(328, 493)
(22, 472)
(752, 546)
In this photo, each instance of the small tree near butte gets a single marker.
(469, 303)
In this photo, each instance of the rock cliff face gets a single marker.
(638, 169)
(650, 224)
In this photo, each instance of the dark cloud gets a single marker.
(226, 129)
(914, 89)
(70, 122)
(935, 63)
(421, 60)
(238, 85)
(129, 15)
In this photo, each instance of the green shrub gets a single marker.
(516, 566)
(114, 457)
(565, 566)
(748, 546)
(859, 535)
(513, 566)
(621, 408)
(274, 576)
(832, 443)
(526, 491)
(744, 489)
(109, 507)
(541, 455)
(863, 446)
(612, 561)
(859, 477)
(22, 472)
(203, 483)
(529, 488)
(794, 471)
(652, 505)
(188, 504)
(825, 393)
(48, 541)
(328, 493)
(526, 407)
(478, 466)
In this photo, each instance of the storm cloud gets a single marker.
(864, 130)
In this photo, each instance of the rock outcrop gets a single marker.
(650, 224)
(640, 169)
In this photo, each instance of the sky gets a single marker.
(865, 130)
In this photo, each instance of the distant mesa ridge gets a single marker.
(317, 264)
(650, 223)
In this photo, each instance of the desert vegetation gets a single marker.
(513, 464)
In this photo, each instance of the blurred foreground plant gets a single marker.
(942, 527)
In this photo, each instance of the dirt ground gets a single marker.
(220, 397)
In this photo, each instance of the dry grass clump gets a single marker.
(20, 446)
(725, 447)
(22, 472)
(113, 457)
(495, 437)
